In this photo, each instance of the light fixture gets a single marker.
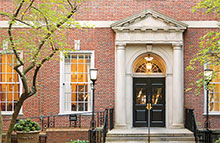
(208, 77)
(92, 132)
(149, 66)
(148, 58)
(208, 74)
(93, 74)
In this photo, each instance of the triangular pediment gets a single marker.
(149, 20)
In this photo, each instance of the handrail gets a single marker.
(74, 119)
(105, 127)
(57, 115)
(190, 122)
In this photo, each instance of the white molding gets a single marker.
(212, 113)
(106, 24)
(9, 113)
(202, 24)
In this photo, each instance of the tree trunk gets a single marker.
(13, 120)
(0, 125)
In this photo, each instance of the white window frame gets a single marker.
(20, 82)
(205, 100)
(62, 60)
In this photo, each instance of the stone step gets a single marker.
(155, 137)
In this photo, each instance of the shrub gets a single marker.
(27, 126)
(78, 141)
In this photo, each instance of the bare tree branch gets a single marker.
(70, 4)
(45, 18)
(23, 79)
(27, 9)
(52, 31)
(10, 33)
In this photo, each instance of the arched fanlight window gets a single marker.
(149, 63)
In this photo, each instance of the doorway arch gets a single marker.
(149, 90)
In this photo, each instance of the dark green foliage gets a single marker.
(27, 126)
(78, 141)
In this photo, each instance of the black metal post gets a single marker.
(207, 107)
(149, 108)
(93, 122)
(207, 136)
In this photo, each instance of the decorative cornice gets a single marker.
(120, 46)
(124, 42)
(150, 29)
(177, 46)
(106, 24)
(137, 17)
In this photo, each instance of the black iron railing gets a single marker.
(201, 135)
(104, 122)
(107, 124)
(190, 122)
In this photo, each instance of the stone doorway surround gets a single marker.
(149, 32)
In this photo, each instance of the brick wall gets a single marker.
(46, 101)
(193, 101)
(118, 9)
(65, 135)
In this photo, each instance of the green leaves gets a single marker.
(209, 46)
(210, 6)
(27, 126)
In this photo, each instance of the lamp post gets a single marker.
(208, 77)
(93, 77)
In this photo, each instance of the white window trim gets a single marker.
(62, 112)
(20, 90)
(212, 113)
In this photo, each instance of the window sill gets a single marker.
(212, 114)
(10, 113)
(87, 113)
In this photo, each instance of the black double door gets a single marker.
(149, 90)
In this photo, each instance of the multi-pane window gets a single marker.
(76, 82)
(214, 95)
(9, 83)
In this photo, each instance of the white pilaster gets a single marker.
(178, 99)
(120, 110)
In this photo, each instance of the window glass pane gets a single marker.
(74, 68)
(141, 96)
(217, 97)
(9, 97)
(3, 96)
(15, 77)
(9, 91)
(80, 107)
(211, 107)
(74, 92)
(74, 77)
(79, 67)
(9, 106)
(3, 106)
(74, 106)
(157, 96)
(217, 106)
(80, 78)
(80, 97)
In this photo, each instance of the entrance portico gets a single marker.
(138, 35)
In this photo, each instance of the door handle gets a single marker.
(148, 107)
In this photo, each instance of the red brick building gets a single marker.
(141, 49)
